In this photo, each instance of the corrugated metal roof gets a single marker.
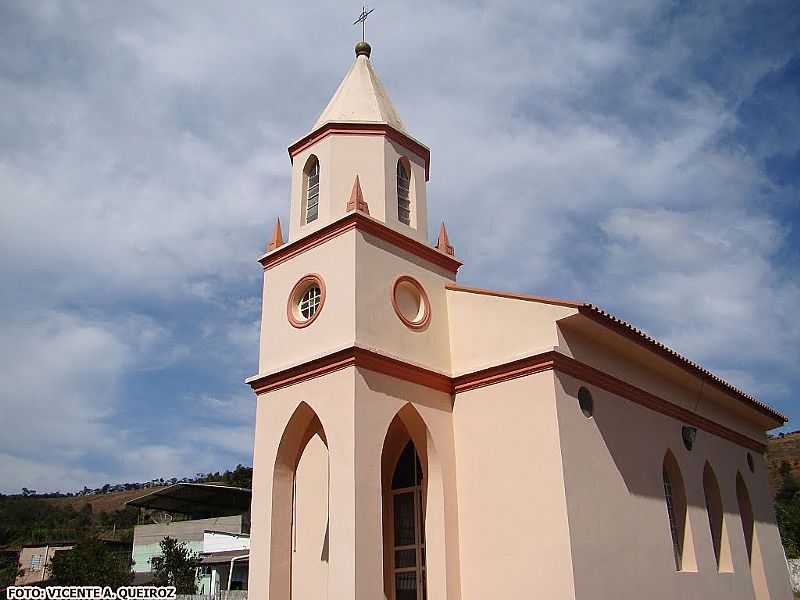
(196, 500)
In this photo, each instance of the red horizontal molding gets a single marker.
(349, 357)
(546, 361)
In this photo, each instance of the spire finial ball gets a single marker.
(363, 48)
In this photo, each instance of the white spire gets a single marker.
(361, 97)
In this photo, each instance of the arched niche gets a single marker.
(299, 524)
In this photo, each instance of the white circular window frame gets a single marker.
(293, 314)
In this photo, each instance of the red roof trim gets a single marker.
(527, 297)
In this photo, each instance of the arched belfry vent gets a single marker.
(277, 237)
(356, 201)
(443, 243)
(361, 97)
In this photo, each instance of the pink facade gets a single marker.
(416, 438)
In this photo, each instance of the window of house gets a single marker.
(403, 187)
(36, 562)
(312, 189)
(408, 563)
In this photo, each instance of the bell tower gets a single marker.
(353, 386)
(359, 134)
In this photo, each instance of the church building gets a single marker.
(419, 439)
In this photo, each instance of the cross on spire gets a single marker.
(362, 18)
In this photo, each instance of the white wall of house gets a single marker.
(220, 541)
(146, 538)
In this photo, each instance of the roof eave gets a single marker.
(621, 327)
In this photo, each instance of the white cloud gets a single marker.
(708, 280)
(61, 373)
(577, 150)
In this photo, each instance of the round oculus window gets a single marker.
(306, 301)
(411, 303)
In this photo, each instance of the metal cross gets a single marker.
(362, 18)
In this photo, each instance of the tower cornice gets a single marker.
(361, 128)
(368, 225)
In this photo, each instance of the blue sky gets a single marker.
(644, 156)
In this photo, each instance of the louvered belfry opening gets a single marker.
(403, 191)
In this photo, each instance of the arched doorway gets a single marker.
(404, 482)
(408, 527)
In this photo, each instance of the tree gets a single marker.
(176, 566)
(9, 571)
(91, 562)
(787, 513)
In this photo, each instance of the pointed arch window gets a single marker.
(311, 189)
(408, 523)
(403, 192)
(675, 498)
(746, 514)
(716, 519)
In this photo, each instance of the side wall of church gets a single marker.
(514, 536)
(624, 359)
(618, 521)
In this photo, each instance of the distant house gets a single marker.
(225, 561)
(34, 560)
(213, 521)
